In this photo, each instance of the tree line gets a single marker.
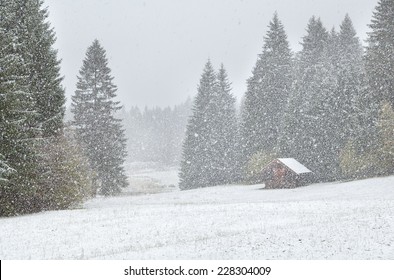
(156, 134)
(330, 106)
(46, 164)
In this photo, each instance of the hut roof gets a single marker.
(294, 165)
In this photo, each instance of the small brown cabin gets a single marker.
(286, 173)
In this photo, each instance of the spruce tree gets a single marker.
(37, 39)
(267, 93)
(225, 133)
(372, 114)
(350, 71)
(31, 115)
(210, 147)
(334, 47)
(380, 52)
(18, 171)
(195, 168)
(373, 123)
(347, 110)
(309, 125)
(99, 131)
(379, 65)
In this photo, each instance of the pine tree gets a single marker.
(31, 115)
(37, 39)
(225, 133)
(350, 70)
(309, 125)
(210, 147)
(267, 93)
(17, 159)
(345, 53)
(371, 106)
(379, 65)
(96, 126)
(334, 46)
(350, 89)
(195, 168)
(380, 52)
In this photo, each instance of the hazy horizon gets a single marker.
(157, 49)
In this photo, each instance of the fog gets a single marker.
(157, 49)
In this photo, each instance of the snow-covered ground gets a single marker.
(353, 220)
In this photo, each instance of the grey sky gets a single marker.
(157, 49)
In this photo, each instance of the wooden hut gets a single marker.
(286, 173)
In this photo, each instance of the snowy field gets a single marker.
(353, 220)
(148, 178)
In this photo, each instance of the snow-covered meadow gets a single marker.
(352, 220)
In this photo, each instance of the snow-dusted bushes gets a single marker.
(62, 179)
(377, 160)
(66, 178)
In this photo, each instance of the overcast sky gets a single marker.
(157, 48)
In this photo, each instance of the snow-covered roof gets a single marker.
(294, 165)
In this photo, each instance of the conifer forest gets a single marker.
(328, 105)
